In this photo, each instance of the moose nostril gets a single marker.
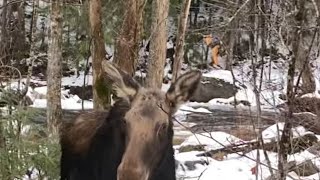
(131, 173)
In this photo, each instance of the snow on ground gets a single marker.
(68, 101)
(220, 74)
(232, 166)
(237, 165)
(273, 132)
(212, 141)
(273, 84)
(184, 110)
(75, 80)
(187, 168)
(73, 103)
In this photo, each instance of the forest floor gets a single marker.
(201, 127)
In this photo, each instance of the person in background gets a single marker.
(214, 44)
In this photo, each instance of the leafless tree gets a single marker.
(158, 43)
(101, 91)
(180, 39)
(54, 112)
(127, 43)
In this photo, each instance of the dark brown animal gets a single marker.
(132, 140)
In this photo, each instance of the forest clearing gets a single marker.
(160, 89)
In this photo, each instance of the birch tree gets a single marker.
(54, 112)
(158, 43)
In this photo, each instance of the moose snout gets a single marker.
(132, 172)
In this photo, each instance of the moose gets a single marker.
(132, 140)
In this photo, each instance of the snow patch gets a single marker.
(212, 140)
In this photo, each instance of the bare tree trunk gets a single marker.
(127, 45)
(33, 31)
(302, 53)
(2, 137)
(18, 33)
(286, 135)
(180, 39)
(9, 33)
(158, 43)
(54, 112)
(101, 91)
(4, 36)
(308, 83)
(231, 39)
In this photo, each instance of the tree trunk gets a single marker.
(18, 33)
(9, 34)
(302, 53)
(127, 43)
(4, 36)
(101, 91)
(158, 43)
(180, 39)
(33, 31)
(2, 137)
(308, 83)
(232, 37)
(54, 112)
(286, 136)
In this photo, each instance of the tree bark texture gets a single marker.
(302, 53)
(33, 30)
(286, 136)
(180, 39)
(101, 90)
(4, 36)
(54, 112)
(127, 43)
(158, 43)
(19, 48)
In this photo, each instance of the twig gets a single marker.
(85, 74)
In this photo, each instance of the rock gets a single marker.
(303, 104)
(244, 102)
(191, 165)
(306, 168)
(315, 149)
(78, 90)
(189, 148)
(211, 88)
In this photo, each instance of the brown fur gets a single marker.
(79, 133)
(132, 141)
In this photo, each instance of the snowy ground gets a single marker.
(237, 166)
(230, 166)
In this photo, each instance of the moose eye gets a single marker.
(124, 122)
(161, 128)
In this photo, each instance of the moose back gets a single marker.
(130, 141)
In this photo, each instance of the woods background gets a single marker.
(49, 40)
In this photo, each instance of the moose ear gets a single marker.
(184, 87)
(124, 85)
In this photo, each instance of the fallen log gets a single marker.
(297, 145)
(308, 120)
